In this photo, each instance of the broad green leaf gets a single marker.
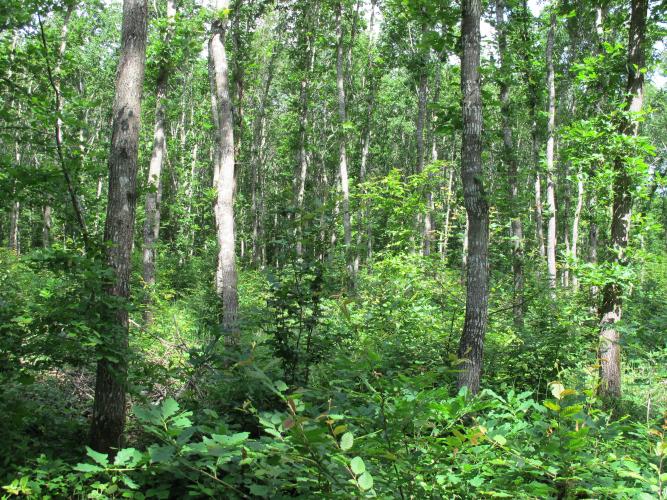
(551, 405)
(100, 458)
(357, 465)
(346, 441)
(128, 457)
(365, 481)
(169, 407)
(88, 468)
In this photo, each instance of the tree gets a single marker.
(612, 301)
(110, 387)
(551, 141)
(154, 181)
(226, 277)
(471, 346)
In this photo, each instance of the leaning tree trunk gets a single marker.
(342, 146)
(109, 406)
(226, 277)
(471, 347)
(509, 158)
(154, 181)
(551, 129)
(612, 304)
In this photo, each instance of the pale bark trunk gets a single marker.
(110, 387)
(575, 227)
(612, 304)
(342, 144)
(14, 213)
(509, 158)
(551, 139)
(226, 276)
(154, 181)
(303, 139)
(471, 346)
(422, 92)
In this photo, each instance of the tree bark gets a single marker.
(612, 303)
(551, 139)
(509, 158)
(226, 276)
(109, 405)
(342, 139)
(471, 346)
(154, 181)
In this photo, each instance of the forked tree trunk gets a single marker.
(226, 277)
(109, 406)
(612, 304)
(471, 346)
(551, 140)
(154, 181)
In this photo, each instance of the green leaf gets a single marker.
(365, 481)
(100, 458)
(128, 457)
(160, 454)
(476, 482)
(551, 405)
(88, 468)
(500, 439)
(169, 408)
(358, 466)
(346, 441)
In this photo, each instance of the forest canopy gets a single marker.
(333, 249)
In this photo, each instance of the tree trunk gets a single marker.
(612, 305)
(13, 242)
(226, 277)
(422, 92)
(509, 158)
(575, 226)
(109, 406)
(342, 140)
(154, 181)
(471, 346)
(551, 129)
(303, 138)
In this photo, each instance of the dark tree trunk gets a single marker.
(612, 304)
(109, 406)
(471, 347)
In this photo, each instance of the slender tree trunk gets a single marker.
(422, 94)
(342, 146)
(303, 138)
(471, 346)
(444, 242)
(109, 406)
(13, 242)
(154, 181)
(575, 226)
(226, 277)
(509, 158)
(365, 225)
(612, 304)
(551, 139)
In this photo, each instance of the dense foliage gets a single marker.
(338, 376)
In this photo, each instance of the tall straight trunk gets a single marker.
(109, 407)
(422, 94)
(226, 277)
(365, 226)
(575, 226)
(471, 346)
(46, 226)
(612, 303)
(303, 138)
(13, 241)
(342, 140)
(551, 140)
(154, 181)
(444, 234)
(509, 158)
